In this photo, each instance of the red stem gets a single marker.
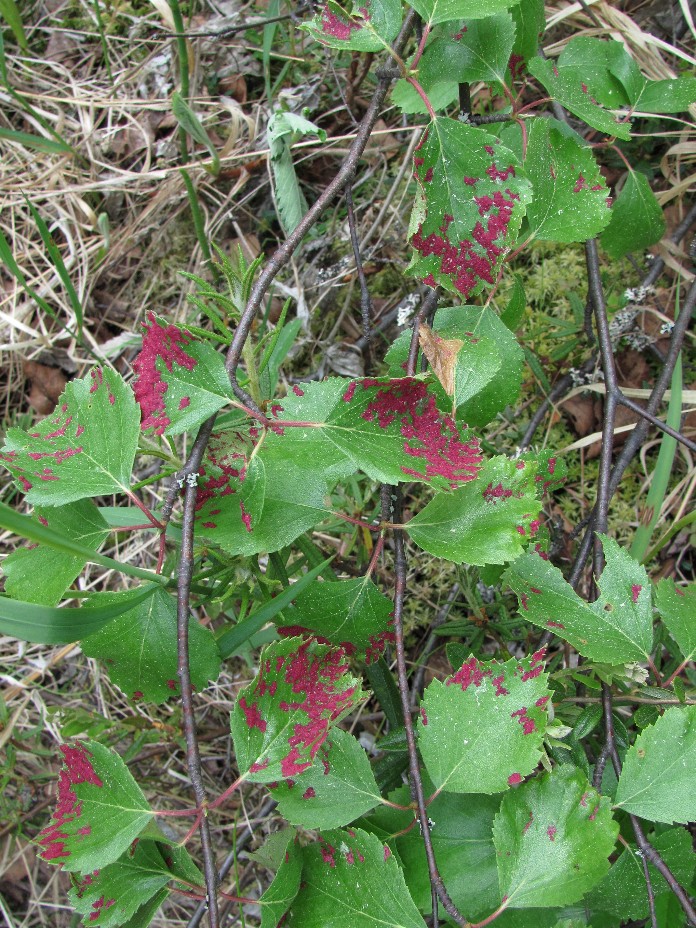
(424, 97)
(421, 47)
(143, 508)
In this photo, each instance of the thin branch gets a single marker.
(365, 301)
(658, 423)
(431, 643)
(193, 756)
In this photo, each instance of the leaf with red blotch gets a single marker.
(109, 896)
(351, 614)
(439, 11)
(363, 25)
(86, 449)
(487, 521)
(616, 629)
(337, 789)
(553, 837)
(570, 195)
(139, 649)
(481, 730)
(100, 810)
(41, 574)
(278, 897)
(333, 867)
(282, 718)
(181, 380)
(470, 204)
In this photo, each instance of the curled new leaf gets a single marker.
(362, 25)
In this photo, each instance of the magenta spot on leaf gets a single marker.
(337, 27)
(296, 390)
(528, 724)
(165, 344)
(172, 684)
(555, 71)
(387, 852)
(470, 181)
(541, 702)
(593, 816)
(257, 766)
(430, 281)
(458, 35)
(584, 798)
(43, 521)
(184, 402)
(350, 857)
(350, 392)
(521, 529)
(498, 684)
(77, 769)
(137, 695)
(534, 526)
(580, 184)
(328, 853)
(635, 592)
(252, 714)
(552, 624)
(492, 494)
(517, 66)
(471, 673)
(514, 779)
(524, 600)
(551, 831)
(528, 824)
(246, 517)
(209, 524)
(540, 551)
(428, 175)
(489, 149)
(424, 717)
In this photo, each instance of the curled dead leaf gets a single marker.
(442, 356)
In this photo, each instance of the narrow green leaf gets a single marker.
(615, 629)
(657, 780)
(637, 220)
(384, 687)
(232, 639)
(26, 527)
(530, 22)
(46, 625)
(9, 11)
(86, 449)
(333, 867)
(338, 788)
(553, 837)
(481, 730)
(513, 314)
(41, 574)
(369, 27)
(469, 208)
(289, 199)
(100, 810)
(570, 195)
(35, 142)
(192, 125)
(139, 649)
(669, 96)
(677, 606)
(282, 718)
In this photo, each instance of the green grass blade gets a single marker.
(50, 625)
(33, 531)
(35, 142)
(192, 125)
(232, 639)
(9, 11)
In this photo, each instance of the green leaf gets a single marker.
(469, 207)
(41, 574)
(47, 625)
(334, 867)
(139, 649)
(623, 892)
(463, 846)
(192, 125)
(232, 639)
(338, 787)
(553, 837)
(439, 11)
(570, 195)
(289, 199)
(111, 895)
(366, 28)
(441, 95)
(85, 449)
(670, 96)
(468, 323)
(181, 380)
(513, 314)
(637, 220)
(276, 733)
(616, 629)
(280, 894)
(475, 50)
(481, 730)
(100, 810)
(657, 780)
(677, 606)
(530, 21)
(35, 531)
(487, 521)
(145, 914)
(35, 142)
(569, 88)
(9, 11)
(350, 613)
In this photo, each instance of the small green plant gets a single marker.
(519, 783)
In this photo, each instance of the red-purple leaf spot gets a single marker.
(458, 35)
(541, 702)
(528, 724)
(328, 853)
(338, 27)
(172, 684)
(184, 402)
(257, 766)
(246, 517)
(423, 715)
(635, 592)
(514, 779)
(471, 673)
(429, 435)
(165, 342)
(78, 769)
(528, 823)
(551, 831)
(309, 793)
(252, 714)
(387, 852)
(552, 624)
